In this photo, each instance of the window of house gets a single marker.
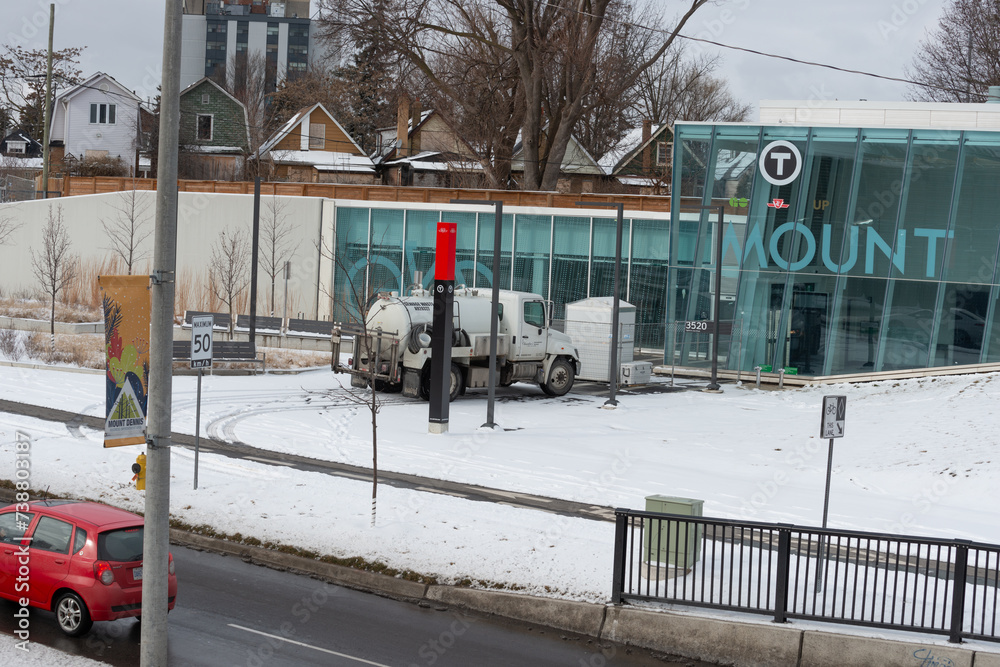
(103, 114)
(317, 135)
(205, 98)
(17, 146)
(663, 151)
(204, 127)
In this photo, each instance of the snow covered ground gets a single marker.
(916, 458)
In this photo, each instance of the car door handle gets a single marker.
(9, 552)
(60, 562)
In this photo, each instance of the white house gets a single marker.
(97, 118)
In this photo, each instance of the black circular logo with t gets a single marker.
(780, 162)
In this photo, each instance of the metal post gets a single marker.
(739, 351)
(714, 384)
(615, 306)
(820, 552)
(47, 115)
(757, 369)
(153, 637)
(491, 391)
(781, 378)
(284, 310)
(253, 262)
(197, 430)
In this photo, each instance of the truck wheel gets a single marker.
(560, 378)
(455, 378)
(457, 383)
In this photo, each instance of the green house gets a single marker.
(214, 133)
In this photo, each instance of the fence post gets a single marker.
(958, 591)
(781, 583)
(621, 526)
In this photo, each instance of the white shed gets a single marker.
(588, 323)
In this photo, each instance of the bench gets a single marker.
(242, 351)
(262, 323)
(219, 320)
(321, 327)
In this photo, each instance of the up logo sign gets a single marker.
(780, 162)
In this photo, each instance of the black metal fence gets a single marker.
(947, 587)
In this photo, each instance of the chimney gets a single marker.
(402, 126)
(647, 158)
(418, 112)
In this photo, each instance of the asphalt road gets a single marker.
(232, 613)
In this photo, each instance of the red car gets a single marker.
(83, 561)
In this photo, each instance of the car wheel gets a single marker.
(72, 614)
(560, 379)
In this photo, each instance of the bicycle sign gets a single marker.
(832, 422)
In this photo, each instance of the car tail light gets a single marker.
(103, 573)
(170, 563)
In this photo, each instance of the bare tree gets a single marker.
(680, 88)
(554, 45)
(8, 226)
(54, 266)
(960, 60)
(128, 228)
(24, 91)
(276, 241)
(362, 390)
(229, 269)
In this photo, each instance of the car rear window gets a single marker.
(124, 544)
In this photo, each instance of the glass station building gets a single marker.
(878, 254)
(857, 244)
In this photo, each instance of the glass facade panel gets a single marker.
(484, 254)
(533, 245)
(920, 239)
(972, 250)
(602, 273)
(647, 282)
(570, 262)
(385, 272)
(350, 270)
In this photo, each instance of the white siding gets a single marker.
(118, 139)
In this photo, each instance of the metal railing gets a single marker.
(947, 587)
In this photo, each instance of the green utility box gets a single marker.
(672, 542)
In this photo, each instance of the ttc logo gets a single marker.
(780, 162)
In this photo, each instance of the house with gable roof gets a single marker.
(96, 118)
(214, 133)
(641, 161)
(579, 171)
(312, 147)
(423, 151)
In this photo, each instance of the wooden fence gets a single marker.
(81, 185)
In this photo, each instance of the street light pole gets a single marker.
(495, 304)
(47, 114)
(615, 306)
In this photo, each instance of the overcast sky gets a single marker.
(125, 39)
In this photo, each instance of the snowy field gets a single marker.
(916, 459)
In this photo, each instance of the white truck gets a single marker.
(394, 349)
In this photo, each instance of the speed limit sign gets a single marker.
(201, 341)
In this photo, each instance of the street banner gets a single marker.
(125, 301)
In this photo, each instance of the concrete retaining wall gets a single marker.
(43, 325)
